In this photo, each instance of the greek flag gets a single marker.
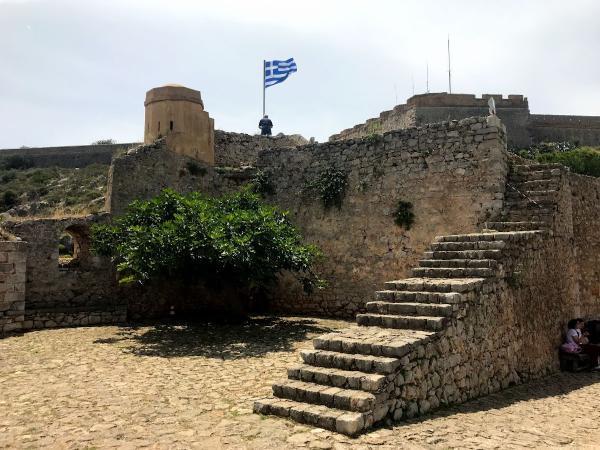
(278, 71)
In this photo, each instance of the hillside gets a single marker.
(53, 191)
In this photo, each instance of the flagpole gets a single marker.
(449, 68)
(264, 66)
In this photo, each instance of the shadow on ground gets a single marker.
(254, 337)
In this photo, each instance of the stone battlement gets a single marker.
(467, 100)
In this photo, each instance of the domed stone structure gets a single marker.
(177, 113)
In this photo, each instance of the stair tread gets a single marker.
(344, 399)
(346, 422)
(346, 379)
(350, 361)
(439, 284)
(405, 316)
(422, 297)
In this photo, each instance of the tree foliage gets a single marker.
(583, 160)
(235, 240)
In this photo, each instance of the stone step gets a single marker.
(537, 185)
(464, 254)
(410, 308)
(531, 175)
(478, 237)
(436, 284)
(340, 421)
(373, 341)
(536, 166)
(392, 296)
(332, 397)
(536, 195)
(516, 226)
(524, 203)
(528, 215)
(467, 245)
(487, 263)
(345, 379)
(349, 361)
(403, 322)
(453, 272)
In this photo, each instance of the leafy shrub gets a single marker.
(9, 199)
(104, 142)
(373, 138)
(17, 162)
(195, 169)
(262, 183)
(404, 215)
(330, 186)
(584, 160)
(8, 177)
(233, 240)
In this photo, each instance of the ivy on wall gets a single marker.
(330, 186)
(404, 215)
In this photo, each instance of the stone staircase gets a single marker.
(354, 378)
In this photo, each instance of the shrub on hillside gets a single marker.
(235, 240)
(17, 162)
(584, 160)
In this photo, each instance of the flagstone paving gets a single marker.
(168, 386)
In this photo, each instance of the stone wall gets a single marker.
(13, 257)
(145, 171)
(582, 130)
(453, 173)
(523, 128)
(240, 149)
(437, 107)
(585, 207)
(78, 292)
(70, 157)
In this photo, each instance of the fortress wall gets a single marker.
(13, 258)
(399, 118)
(70, 157)
(582, 130)
(585, 207)
(453, 173)
(438, 107)
(240, 149)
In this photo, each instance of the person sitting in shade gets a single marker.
(265, 126)
(577, 341)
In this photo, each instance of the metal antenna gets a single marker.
(412, 77)
(428, 78)
(449, 68)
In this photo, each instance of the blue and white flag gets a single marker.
(278, 71)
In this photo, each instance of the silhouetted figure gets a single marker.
(265, 126)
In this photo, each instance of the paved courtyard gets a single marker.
(178, 386)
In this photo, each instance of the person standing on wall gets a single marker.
(265, 126)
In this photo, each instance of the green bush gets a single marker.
(17, 162)
(330, 186)
(236, 240)
(262, 183)
(583, 160)
(404, 215)
(9, 199)
(195, 169)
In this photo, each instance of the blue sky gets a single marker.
(72, 72)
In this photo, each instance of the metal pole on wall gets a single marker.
(449, 69)
(263, 81)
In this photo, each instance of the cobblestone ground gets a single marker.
(184, 386)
